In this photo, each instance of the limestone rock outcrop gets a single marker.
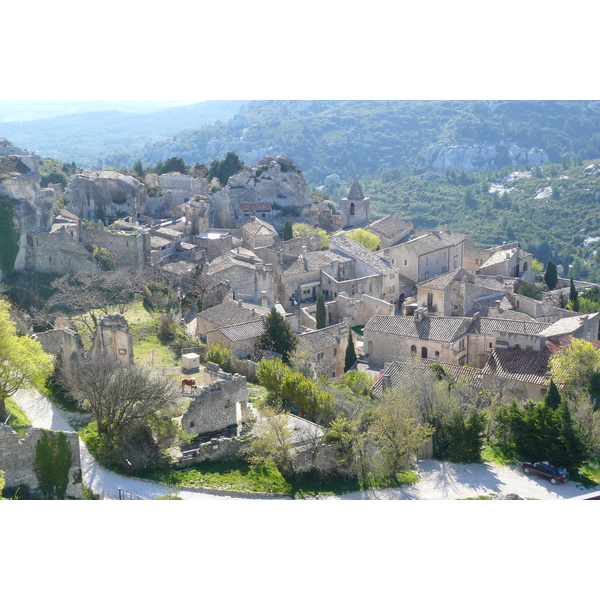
(32, 207)
(96, 194)
(481, 156)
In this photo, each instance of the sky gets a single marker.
(116, 50)
(464, 49)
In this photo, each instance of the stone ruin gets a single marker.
(112, 340)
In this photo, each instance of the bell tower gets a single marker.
(355, 208)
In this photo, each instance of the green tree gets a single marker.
(573, 366)
(350, 357)
(321, 312)
(172, 165)
(552, 396)
(573, 303)
(271, 373)
(288, 232)
(138, 168)
(365, 238)
(304, 230)
(225, 168)
(530, 290)
(23, 361)
(222, 356)
(52, 464)
(277, 335)
(551, 275)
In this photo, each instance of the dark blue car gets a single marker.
(545, 469)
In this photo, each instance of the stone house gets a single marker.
(390, 230)
(427, 255)
(258, 234)
(239, 338)
(397, 338)
(326, 349)
(455, 293)
(528, 368)
(509, 261)
(373, 274)
(230, 312)
(355, 209)
(261, 210)
(250, 279)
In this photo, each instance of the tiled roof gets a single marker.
(486, 326)
(434, 240)
(344, 244)
(499, 257)
(527, 366)
(313, 261)
(410, 375)
(439, 329)
(387, 227)
(441, 282)
(496, 282)
(242, 331)
(237, 257)
(566, 326)
(257, 227)
(231, 313)
(321, 339)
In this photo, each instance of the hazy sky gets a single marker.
(312, 49)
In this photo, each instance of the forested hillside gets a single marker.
(352, 138)
(110, 138)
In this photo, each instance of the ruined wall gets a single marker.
(220, 404)
(17, 459)
(127, 250)
(112, 339)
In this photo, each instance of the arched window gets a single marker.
(413, 349)
(351, 208)
(423, 352)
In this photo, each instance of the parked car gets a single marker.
(545, 469)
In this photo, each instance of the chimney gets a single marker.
(386, 381)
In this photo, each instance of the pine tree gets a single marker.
(350, 358)
(321, 312)
(288, 232)
(551, 276)
(277, 335)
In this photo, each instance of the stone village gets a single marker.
(421, 297)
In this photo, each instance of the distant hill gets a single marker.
(349, 138)
(109, 137)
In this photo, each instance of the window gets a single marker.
(461, 344)
(423, 352)
(429, 299)
(406, 262)
(335, 352)
(413, 349)
(524, 267)
(320, 356)
(437, 354)
(351, 208)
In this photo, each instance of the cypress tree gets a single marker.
(573, 297)
(552, 397)
(321, 312)
(551, 276)
(288, 232)
(350, 358)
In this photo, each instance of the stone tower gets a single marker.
(355, 208)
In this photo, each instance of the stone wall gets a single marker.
(113, 340)
(221, 403)
(17, 459)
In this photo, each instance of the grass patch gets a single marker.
(490, 496)
(500, 455)
(17, 417)
(231, 477)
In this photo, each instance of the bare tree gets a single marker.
(119, 395)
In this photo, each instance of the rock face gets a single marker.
(96, 194)
(481, 156)
(32, 207)
(268, 181)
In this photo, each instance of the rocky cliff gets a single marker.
(99, 194)
(480, 156)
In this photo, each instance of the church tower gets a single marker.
(355, 208)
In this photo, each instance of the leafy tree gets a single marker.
(23, 361)
(321, 312)
(530, 290)
(551, 275)
(288, 232)
(397, 432)
(274, 440)
(304, 230)
(365, 238)
(222, 356)
(52, 464)
(573, 366)
(350, 357)
(277, 335)
(270, 374)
